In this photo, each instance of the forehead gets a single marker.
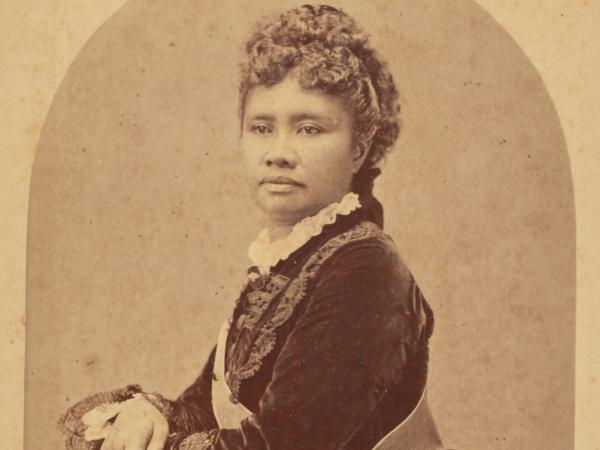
(289, 98)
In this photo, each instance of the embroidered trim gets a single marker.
(265, 342)
(260, 299)
(265, 253)
(197, 441)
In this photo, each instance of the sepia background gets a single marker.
(468, 199)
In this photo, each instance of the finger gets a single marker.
(138, 443)
(160, 433)
(112, 442)
(107, 444)
(105, 432)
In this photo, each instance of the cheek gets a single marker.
(333, 157)
(330, 171)
(250, 153)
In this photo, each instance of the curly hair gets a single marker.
(326, 50)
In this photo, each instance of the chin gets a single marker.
(283, 209)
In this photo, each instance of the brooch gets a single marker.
(256, 279)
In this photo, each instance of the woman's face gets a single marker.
(298, 148)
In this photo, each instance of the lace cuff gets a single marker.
(85, 423)
(74, 428)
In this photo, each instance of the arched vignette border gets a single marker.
(427, 261)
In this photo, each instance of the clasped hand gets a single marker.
(139, 426)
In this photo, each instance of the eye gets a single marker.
(260, 129)
(310, 130)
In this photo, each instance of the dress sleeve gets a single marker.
(349, 345)
(192, 411)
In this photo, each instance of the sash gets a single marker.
(416, 432)
(227, 413)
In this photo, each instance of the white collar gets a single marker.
(265, 253)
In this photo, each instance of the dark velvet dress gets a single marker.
(330, 352)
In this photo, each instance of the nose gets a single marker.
(281, 154)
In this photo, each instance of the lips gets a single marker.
(280, 180)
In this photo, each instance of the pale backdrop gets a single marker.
(478, 198)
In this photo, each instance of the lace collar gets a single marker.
(265, 253)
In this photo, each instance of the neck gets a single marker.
(281, 226)
(279, 231)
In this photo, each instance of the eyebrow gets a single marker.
(298, 118)
(320, 118)
(265, 117)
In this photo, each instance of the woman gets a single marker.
(327, 346)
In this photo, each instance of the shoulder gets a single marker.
(362, 287)
(360, 266)
(364, 251)
(368, 289)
